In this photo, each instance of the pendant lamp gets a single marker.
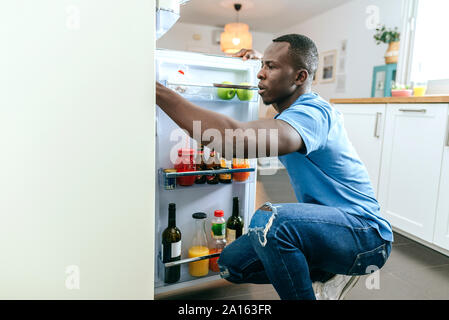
(236, 35)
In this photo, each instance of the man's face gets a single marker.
(277, 76)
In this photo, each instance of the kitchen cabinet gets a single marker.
(441, 236)
(364, 125)
(411, 166)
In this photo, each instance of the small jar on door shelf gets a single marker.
(185, 162)
(239, 164)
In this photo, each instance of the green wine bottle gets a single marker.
(171, 246)
(234, 225)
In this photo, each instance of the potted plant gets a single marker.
(390, 37)
(400, 90)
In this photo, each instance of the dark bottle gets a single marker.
(213, 164)
(224, 177)
(234, 225)
(200, 166)
(171, 246)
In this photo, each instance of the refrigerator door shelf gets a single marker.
(210, 92)
(184, 261)
(206, 172)
(167, 180)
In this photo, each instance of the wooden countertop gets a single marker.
(424, 99)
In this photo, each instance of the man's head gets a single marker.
(288, 67)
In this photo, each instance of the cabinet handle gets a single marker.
(413, 110)
(376, 134)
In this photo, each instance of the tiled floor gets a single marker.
(413, 271)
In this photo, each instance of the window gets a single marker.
(430, 50)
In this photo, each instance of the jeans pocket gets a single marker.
(369, 261)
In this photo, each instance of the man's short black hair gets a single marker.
(303, 52)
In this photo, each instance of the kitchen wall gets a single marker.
(200, 38)
(351, 22)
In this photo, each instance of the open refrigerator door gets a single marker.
(199, 78)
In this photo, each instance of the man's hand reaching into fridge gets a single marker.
(184, 113)
(247, 54)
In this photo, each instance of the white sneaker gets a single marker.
(335, 288)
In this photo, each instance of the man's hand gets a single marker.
(246, 54)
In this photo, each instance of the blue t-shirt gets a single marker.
(330, 172)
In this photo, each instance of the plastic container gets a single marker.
(185, 162)
(217, 245)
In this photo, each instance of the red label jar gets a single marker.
(185, 162)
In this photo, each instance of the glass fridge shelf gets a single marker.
(215, 92)
(168, 179)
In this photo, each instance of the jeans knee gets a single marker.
(262, 222)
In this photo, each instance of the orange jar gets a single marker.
(185, 162)
(239, 164)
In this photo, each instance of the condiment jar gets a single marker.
(239, 164)
(185, 162)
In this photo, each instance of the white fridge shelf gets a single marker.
(210, 92)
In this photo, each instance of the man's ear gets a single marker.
(301, 76)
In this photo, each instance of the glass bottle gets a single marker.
(234, 225)
(199, 247)
(225, 177)
(171, 246)
(185, 162)
(213, 163)
(200, 166)
(240, 164)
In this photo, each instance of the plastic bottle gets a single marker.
(217, 245)
(218, 242)
(218, 225)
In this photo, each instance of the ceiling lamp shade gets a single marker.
(236, 36)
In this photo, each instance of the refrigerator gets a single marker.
(195, 76)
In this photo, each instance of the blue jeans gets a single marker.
(291, 245)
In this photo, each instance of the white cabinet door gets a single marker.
(411, 166)
(364, 125)
(441, 237)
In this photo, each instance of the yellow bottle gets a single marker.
(199, 247)
(198, 268)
